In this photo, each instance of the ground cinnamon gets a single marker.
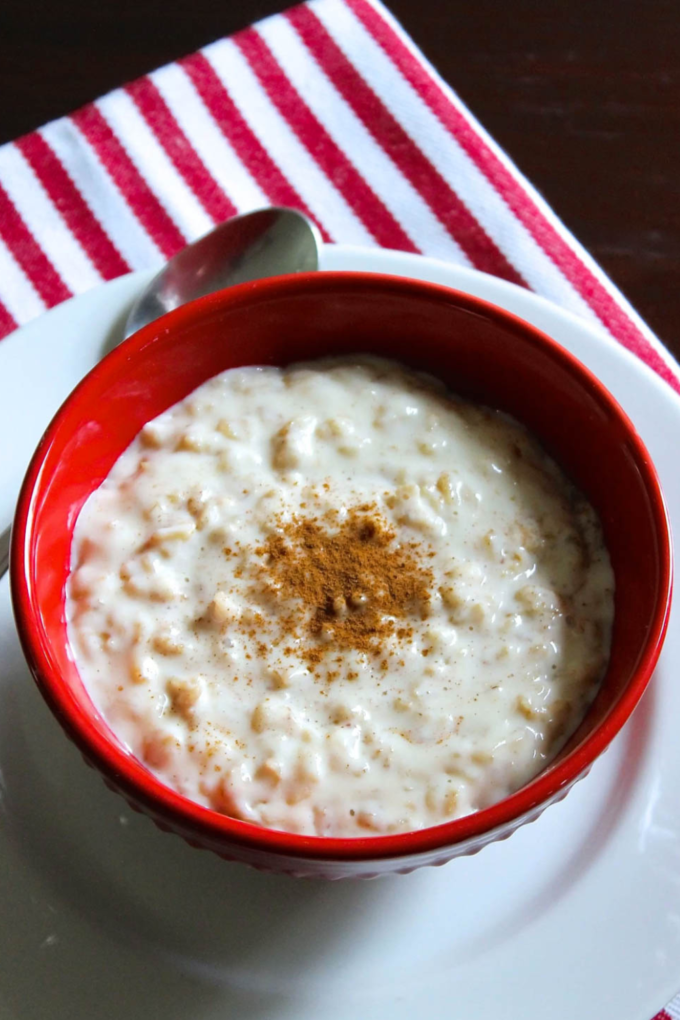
(346, 584)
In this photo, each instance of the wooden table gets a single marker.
(583, 94)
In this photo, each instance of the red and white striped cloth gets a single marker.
(328, 107)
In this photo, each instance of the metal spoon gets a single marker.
(268, 242)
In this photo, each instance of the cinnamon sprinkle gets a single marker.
(345, 585)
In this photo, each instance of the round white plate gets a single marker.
(103, 917)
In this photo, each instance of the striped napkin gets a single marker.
(329, 108)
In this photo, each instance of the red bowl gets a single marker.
(477, 349)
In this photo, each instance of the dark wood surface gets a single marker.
(583, 94)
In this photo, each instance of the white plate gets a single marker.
(102, 917)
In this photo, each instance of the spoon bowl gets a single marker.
(267, 242)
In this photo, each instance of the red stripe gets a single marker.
(242, 139)
(29, 254)
(582, 279)
(163, 123)
(134, 189)
(7, 322)
(663, 1015)
(331, 159)
(400, 147)
(68, 200)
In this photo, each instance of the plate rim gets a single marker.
(394, 262)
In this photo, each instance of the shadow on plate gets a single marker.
(115, 332)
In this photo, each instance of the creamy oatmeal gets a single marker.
(335, 599)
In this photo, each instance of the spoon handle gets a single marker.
(4, 551)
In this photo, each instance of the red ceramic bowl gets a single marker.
(479, 351)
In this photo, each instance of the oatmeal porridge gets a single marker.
(337, 600)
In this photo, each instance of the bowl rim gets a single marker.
(122, 769)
